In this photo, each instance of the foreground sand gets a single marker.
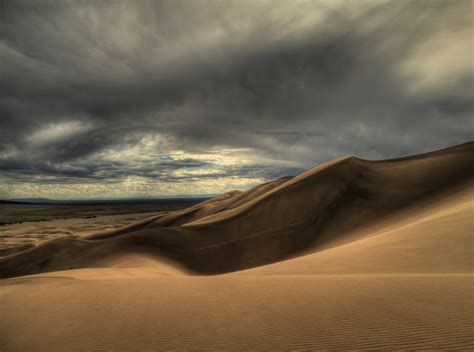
(235, 313)
(403, 280)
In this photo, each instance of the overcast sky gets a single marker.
(152, 98)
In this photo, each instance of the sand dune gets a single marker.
(437, 239)
(275, 221)
(352, 254)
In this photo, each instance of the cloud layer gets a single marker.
(122, 98)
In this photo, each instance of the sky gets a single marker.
(107, 99)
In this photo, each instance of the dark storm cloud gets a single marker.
(112, 172)
(303, 82)
(93, 172)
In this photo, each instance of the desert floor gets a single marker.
(12, 235)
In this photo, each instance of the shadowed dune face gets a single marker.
(328, 205)
(436, 239)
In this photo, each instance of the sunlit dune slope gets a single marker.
(70, 312)
(323, 207)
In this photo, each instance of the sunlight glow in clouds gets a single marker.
(58, 131)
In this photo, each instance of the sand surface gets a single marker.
(35, 233)
(234, 313)
(324, 260)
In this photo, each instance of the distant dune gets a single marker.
(352, 254)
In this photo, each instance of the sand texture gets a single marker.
(352, 254)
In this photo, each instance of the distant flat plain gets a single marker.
(17, 213)
(31, 224)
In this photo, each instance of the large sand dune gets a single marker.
(352, 254)
(322, 207)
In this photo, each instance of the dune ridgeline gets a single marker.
(334, 204)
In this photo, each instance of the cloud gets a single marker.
(99, 92)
